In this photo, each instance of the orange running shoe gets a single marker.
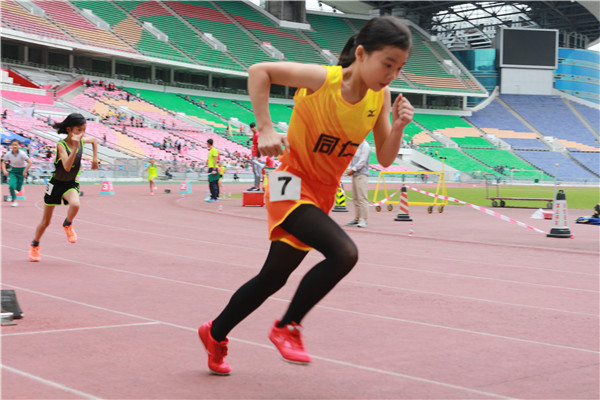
(34, 253)
(216, 350)
(288, 341)
(71, 235)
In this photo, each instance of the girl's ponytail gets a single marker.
(348, 56)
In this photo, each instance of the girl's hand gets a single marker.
(269, 142)
(5, 173)
(76, 140)
(94, 164)
(402, 112)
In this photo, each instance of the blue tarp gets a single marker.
(7, 136)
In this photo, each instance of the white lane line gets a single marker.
(420, 270)
(50, 383)
(89, 328)
(453, 296)
(262, 345)
(408, 321)
(363, 314)
(343, 281)
(485, 278)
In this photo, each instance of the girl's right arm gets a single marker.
(260, 78)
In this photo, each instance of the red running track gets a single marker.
(468, 307)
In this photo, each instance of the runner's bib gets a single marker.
(284, 186)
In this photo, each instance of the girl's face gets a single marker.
(14, 147)
(76, 130)
(380, 67)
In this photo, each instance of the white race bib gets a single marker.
(49, 188)
(284, 186)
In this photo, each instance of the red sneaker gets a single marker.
(71, 235)
(288, 341)
(216, 350)
(34, 253)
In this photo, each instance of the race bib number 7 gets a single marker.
(284, 186)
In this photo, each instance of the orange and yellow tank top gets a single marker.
(325, 130)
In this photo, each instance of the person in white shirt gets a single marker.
(20, 163)
(359, 171)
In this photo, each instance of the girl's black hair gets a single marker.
(74, 119)
(376, 34)
(15, 140)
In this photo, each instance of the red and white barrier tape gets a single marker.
(384, 200)
(479, 208)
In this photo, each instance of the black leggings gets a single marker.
(313, 227)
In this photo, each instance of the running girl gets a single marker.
(20, 163)
(335, 108)
(63, 185)
(152, 174)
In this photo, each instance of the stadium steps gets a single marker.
(66, 16)
(129, 143)
(436, 52)
(591, 128)
(286, 40)
(179, 33)
(239, 25)
(519, 117)
(582, 165)
(312, 42)
(329, 32)
(207, 17)
(352, 23)
(195, 30)
(116, 29)
(450, 148)
(20, 19)
(188, 25)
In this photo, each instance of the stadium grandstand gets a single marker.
(157, 78)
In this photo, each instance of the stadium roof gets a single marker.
(579, 17)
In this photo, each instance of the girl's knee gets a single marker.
(46, 222)
(346, 256)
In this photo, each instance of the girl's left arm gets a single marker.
(388, 138)
(94, 143)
